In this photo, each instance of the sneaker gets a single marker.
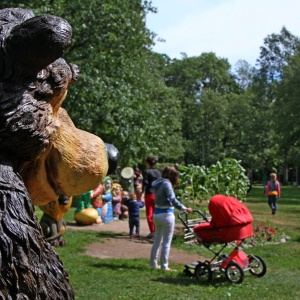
(169, 270)
(137, 236)
(151, 235)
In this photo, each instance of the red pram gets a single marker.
(230, 222)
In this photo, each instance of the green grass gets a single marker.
(94, 278)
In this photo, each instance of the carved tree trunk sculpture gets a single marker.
(30, 268)
(42, 154)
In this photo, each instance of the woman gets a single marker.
(151, 174)
(164, 218)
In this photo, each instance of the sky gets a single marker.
(232, 29)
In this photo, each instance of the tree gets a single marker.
(120, 95)
(244, 74)
(202, 83)
(276, 53)
(276, 56)
(287, 105)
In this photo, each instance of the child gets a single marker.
(273, 192)
(134, 214)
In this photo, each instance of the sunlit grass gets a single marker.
(133, 279)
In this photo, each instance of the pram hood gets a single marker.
(230, 221)
(228, 211)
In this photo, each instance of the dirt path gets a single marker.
(120, 246)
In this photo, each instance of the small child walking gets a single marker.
(273, 192)
(134, 214)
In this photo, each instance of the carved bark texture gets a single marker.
(29, 96)
(30, 268)
(42, 154)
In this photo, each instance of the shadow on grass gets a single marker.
(185, 280)
(298, 239)
(281, 200)
(123, 236)
(116, 265)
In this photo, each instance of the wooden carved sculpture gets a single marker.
(52, 222)
(42, 154)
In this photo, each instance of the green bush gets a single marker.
(200, 183)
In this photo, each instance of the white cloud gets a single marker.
(233, 29)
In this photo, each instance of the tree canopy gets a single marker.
(193, 110)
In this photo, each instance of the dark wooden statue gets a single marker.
(42, 154)
(52, 222)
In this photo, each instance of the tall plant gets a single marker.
(200, 183)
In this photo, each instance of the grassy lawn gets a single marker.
(94, 278)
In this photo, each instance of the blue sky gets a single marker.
(232, 29)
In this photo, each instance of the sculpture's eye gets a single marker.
(43, 74)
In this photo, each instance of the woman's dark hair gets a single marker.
(172, 174)
(152, 160)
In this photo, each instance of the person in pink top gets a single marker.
(273, 192)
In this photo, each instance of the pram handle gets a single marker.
(183, 216)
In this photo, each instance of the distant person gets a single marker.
(137, 175)
(149, 175)
(164, 218)
(134, 207)
(138, 183)
(273, 192)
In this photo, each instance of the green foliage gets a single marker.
(193, 110)
(286, 106)
(201, 183)
(120, 95)
(228, 177)
(202, 83)
(276, 53)
(274, 84)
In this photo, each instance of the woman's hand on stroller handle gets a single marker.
(189, 210)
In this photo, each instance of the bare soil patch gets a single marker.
(119, 245)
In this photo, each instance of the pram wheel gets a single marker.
(234, 273)
(257, 266)
(203, 272)
(187, 272)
